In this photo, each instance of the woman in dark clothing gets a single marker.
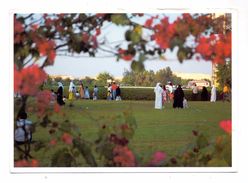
(178, 97)
(118, 93)
(60, 94)
(204, 94)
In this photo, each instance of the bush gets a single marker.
(136, 93)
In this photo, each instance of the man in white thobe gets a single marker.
(213, 94)
(158, 96)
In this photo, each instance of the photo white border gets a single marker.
(138, 169)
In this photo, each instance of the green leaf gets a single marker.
(128, 35)
(62, 158)
(217, 163)
(142, 58)
(202, 141)
(137, 66)
(120, 19)
(85, 151)
(181, 55)
(135, 37)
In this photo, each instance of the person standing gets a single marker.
(81, 90)
(194, 92)
(158, 96)
(204, 94)
(72, 89)
(86, 93)
(164, 95)
(226, 93)
(118, 93)
(95, 93)
(60, 94)
(170, 92)
(114, 87)
(178, 97)
(213, 94)
(109, 92)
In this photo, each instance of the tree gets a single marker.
(164, 75)
(103, 77)
(58, 79)
(89, 81)
(128, 78)
(224, 74)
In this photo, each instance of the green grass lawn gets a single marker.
(167, 130)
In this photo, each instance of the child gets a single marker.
(77, 95)
(185, 103)
(86, 93)
(53, 97)
(95, 93)
(23, 132)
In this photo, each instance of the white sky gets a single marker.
(86, 66)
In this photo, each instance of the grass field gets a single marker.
(167, 130)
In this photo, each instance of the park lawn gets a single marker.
(168, 130)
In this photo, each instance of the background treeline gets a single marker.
(130, 78)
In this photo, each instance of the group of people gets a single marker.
(162, 95)
(179, 101)
(114, 92)
(82, 93)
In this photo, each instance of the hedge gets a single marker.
(137, 93)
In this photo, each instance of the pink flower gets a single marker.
(226, 125)
(157, 158)
(67, 138)
(53, 142)
(123, 156)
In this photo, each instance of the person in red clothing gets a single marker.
(114, 87)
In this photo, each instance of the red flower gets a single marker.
(125, 55)
(98, 31)
(128, 57)
(28, 80)
(56, 107)
(204, 47)
(226, 125)
(95, 43)
(47, 48)
(53, 142)
(25, 163)
(123, 156)
(100, 15)
(157, 158)
(43, 100)
(34, 163)
(18, 26)
(66, 138)
(124, 127)
(164, 32)
(21, 163)
(85, 37)
(149, 22)
(34, 27)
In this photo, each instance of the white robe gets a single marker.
(158, 96)
(71, 87)
(213, 94)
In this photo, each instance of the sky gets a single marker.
(88, 66)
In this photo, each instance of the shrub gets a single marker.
(136, 93)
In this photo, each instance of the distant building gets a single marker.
(199, 83)
(193, 76)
